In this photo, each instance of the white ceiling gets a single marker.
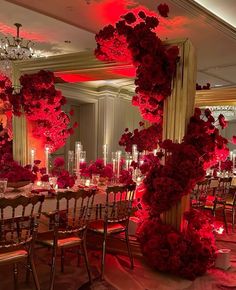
(51, 22)
(225, 9)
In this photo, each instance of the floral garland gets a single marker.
(185, 165)
(42, 104)
(133, 39)
(145, 139)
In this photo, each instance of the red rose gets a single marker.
(163, 9)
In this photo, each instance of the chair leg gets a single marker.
(28, 270)
(34, 273)
(129, 249)
(62, 260)
(103, 255)
(15, 270)
(53, 269)
(78, 258)
(84, 249)
(225, 220)
(233, 219)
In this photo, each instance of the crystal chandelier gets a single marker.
(16, 48)
(228, 111)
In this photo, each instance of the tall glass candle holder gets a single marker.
(134, 153)
(32, 156)
(113, 158)
(82, 157)
(70, 162)
(118, 154)
(128, 160)
(47, 151)
(78, 149)
(105, 153)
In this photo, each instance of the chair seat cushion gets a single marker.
(13, 256)
(62, 242)
(98, 226)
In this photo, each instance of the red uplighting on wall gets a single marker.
(126, 72)
(74, 77)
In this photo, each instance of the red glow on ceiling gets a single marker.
(112, 10)
(126, 72)
(73, 77)
(6, 30)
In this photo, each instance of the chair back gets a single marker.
(73, 210)
(18, 223)
(119, 200)
(223, 187)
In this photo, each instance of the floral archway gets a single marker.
(134, 39)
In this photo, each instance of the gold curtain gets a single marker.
(178, 108)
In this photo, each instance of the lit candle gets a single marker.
(231, 155)
(70, 164)
(47, 158)
(113, 157)
(87, 182)
(78, 149)
(155, 152)
(105, 151)
(118, 163)
(32, 156)
(82, 157)
(39, 183)
(134, 153)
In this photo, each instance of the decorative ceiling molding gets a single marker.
(205, 15)
(216, 97)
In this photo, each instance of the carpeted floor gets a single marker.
(118, 275)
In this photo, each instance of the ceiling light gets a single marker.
(16, 48)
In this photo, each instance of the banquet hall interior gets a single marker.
(117, 144)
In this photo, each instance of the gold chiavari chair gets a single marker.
(230, 205)
(113, 217)
(18, 229)
(69, 225)
(200, 193)
(217, 202)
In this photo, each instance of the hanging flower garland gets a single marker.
(145, 138)
(5, 109)
(133, 39)
(42, 105)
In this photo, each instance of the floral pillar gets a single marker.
(178, 108)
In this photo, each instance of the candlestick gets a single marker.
(47, 149)
(82, 157)
(118, 163)
(231, 155)
(70, 163)
(105, 151)
(32, 156)
(87, 182)
(78, 149)
(128, 161)
(113, 157)
(220, 166)
(135, 153)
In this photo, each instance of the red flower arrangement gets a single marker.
(97, 167)
(14, 172)
(64, 179)
(145, 138)
(42, 104)
(188, 254)
(133, 39)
